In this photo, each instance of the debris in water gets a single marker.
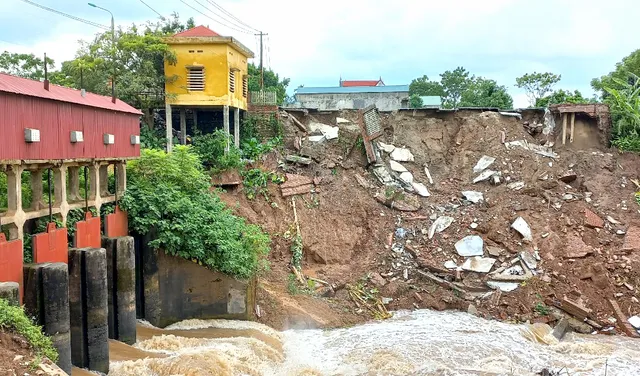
(561, 328)
(402, 155)
(523, 228)
(471, 245)
(473, 196)
(483, 163)
(397, 167)
(503, 286)
(440, 225)
(479, 264)
(485, 175)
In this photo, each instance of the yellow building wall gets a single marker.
(217, 60)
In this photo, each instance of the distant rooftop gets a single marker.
(354, 89)
(198, 31)
(350, 83)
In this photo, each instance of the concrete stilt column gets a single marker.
(183, 126)
(95, 185)
(225, 124)
(14, 198)
(60, 192)
(74, 183)
(121, 173)
(89, 309)
(104, 180)
(236, 127)
(169, 132)
(46, 299)
(37, 201)
(10, 291)
(121, 286)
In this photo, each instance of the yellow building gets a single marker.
(210, 74)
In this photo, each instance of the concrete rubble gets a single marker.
(471, 245)
(440, 225)
(479, 264)
(483, 164)
(485, 175)
(523, 228)
(402, 155)
(397, 167)
(473, 196)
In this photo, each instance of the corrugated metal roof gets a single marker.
(431, 101)
(24, 86)
(354, 89)
(198, 31)
(352, 83)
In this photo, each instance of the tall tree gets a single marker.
(422, 86)
(482, 92)
(23, 65)
(272, 82)
(537, 85)
(562, 96)
(454, 83)
(625, 71)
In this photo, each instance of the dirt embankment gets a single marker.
(349, 236)
(17, 358)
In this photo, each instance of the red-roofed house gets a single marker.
(359, 83)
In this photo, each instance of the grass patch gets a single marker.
(13, 319)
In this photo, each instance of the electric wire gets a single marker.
(155, 11)
(67, 15)
(236, 19)
(211, 18)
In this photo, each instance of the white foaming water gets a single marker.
(411, 343)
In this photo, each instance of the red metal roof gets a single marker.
(198, 31)
(360, 83)
(24, 86)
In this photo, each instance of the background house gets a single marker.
(385, 98)
(209, 81)
(351, 83)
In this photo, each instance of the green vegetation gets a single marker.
(170, 193)
(211, 150)
(255, 182)
(537, 85)
(562, 96)
(624, 102)
(541, 309)
(620, 77)
(458, 88)
(13, 319)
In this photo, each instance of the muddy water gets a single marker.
(411, 343)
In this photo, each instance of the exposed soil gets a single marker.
(17, 357)
(348, 235)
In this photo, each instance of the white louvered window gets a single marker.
(245, 86)
(195, 79)
(232, 80)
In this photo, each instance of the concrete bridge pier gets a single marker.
(121, 274)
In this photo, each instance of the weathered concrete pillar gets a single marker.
(225, 123)
(104, 180)
(236, 127)
(169, 132)
(14, 198)
(89, 309)
(121, 286)
(46, 298)
(183, 126)
(10, 291)
(95, 185)
(74, 183)
(121, 173)
(37, 201)
(60, 191)
(148, 279)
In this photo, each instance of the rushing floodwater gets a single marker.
(411, 343)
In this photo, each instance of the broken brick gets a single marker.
(632, 239)
(592, 220)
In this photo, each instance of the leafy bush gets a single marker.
(253, 148)
(152, 138)
(13, 319)
(625, 113)
(255, 182)
(211, 150)
(170, 193)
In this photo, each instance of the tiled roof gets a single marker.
(23, 86)
(354, 89)
(359, 83)
(198, 31)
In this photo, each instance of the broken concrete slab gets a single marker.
(397, 167)
(407, 177)
(316, 138)
(503, 286)
(421, 189)
(440, 225)
(485, 175)
(523, 228)
(529, 259)
(473, 196)
(387, 148)
(516, 186)
(479, 264)
(483, 164)
(298, 159)
(340, 120)
(383, 175)
(450, 264)
(471, 245)
(402, 155)
(561, 328)
(494, 251)
(330, 132)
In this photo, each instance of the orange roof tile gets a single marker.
(198, 31)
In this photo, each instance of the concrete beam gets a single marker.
(121, 286)
(89, 309)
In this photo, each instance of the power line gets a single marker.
(155, 11)
(239, 21)
(268, 52)
(67, 15)
(209, 17)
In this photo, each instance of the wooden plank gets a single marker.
(622, 321)
(564, 128)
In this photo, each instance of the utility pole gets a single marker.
(113, 51)
(261, 61)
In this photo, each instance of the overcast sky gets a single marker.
(316, 42)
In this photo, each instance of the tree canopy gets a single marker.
(458, 88)
(24, 65)
(562, 96)
(272, 82)
(537, 85)
(625, 72)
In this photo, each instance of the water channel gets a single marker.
(411, 343)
